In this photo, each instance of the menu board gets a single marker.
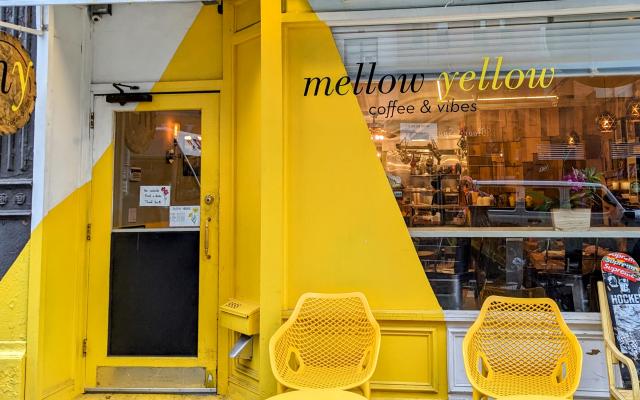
(621, 275)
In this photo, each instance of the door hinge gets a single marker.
(88, 231)
(84, 347)
(91, 120)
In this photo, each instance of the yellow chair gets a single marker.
(331, 341)
(521, 348)
(615, 356)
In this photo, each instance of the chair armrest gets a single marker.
(617, 354)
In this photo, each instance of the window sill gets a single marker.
(569, 317)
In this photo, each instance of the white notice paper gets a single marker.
(184, 216)
(155, 196)
(419, 132)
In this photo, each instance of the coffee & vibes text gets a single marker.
(467, 81)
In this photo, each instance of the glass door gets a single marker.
(153, 272)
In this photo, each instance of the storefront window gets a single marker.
(511, 180)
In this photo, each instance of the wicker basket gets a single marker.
(577, 219)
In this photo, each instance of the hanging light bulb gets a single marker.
(607, 122)
(377, 131)
(633, 110)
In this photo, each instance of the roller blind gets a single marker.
(365, 5)
(578, 45)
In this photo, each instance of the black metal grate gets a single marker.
(16, 159)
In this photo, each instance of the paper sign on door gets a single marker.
(155, 196)
(184, 216)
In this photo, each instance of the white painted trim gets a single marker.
(586, 326)
(569, 317)
(40, 120)
(26, 29)
(478, 12)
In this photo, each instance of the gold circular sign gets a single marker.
(17, 85)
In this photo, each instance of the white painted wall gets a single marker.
(136, 43)
(133, 45)
(61, 157)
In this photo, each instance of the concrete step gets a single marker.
(121, 396)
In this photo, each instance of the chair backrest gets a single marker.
(522, 337)
(327, 332)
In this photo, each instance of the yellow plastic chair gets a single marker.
(614, 356)
(331, 341)
(521, 347)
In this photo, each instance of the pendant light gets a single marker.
(573, 138)
(606, 121)
(633, 110)
(377, 131)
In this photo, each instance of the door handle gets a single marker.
(206, 238)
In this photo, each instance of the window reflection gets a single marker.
(521, 196)
(157, 169)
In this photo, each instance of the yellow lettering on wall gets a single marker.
(496, 74)
(485, 65)
(513, 79)
(507, 79)
(541, 82)
(447, 82)
(468, 76)
(24, 79)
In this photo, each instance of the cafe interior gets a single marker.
(516, 192)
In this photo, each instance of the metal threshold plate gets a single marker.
(151, 390)
(151, 380)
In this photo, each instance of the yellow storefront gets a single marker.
(247, 189)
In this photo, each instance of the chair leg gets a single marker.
(366, 390)
(280, 388)
(477, 395)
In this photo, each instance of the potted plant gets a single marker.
(576, 215)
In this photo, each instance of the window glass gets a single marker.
(511, 147)
(157, 169)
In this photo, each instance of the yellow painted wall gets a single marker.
(60, 244)
(246, 171)
(58, 247)
(244, 64)
(57, 251)
(343, 229)
(13, 327)
(199, 56)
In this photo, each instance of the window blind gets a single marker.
(366, 5)
(573, 45)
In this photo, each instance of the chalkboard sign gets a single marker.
(621, 275)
